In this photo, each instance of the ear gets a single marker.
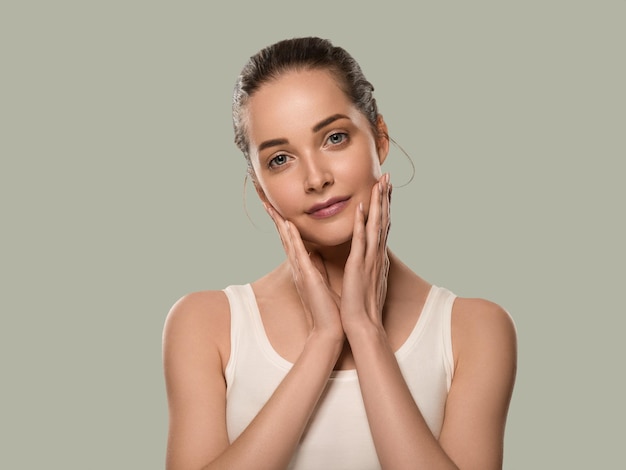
(382, 139)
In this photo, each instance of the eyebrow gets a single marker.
(320, 125)
(316, 128)
(272, 143)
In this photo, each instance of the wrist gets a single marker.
(326, 341)
(366, 332)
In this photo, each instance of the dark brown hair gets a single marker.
(300, 54)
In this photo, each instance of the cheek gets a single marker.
(368, 166)
(369, 179)
(365, 176)
(282, 198)
(361, 168)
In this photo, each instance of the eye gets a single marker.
(278, 160)
(337, 138)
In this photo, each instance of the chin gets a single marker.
(328, 237)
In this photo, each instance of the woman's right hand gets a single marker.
(197, 334)
(320, 303)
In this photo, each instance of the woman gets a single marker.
(341, 357)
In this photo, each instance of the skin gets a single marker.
(340, 300)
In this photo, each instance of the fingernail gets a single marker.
(387, 178)
(361, 207)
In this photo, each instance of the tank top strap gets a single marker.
(242, 322)
(239, 298)
(446, 300)
(432, 331)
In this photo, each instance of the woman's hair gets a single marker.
(309, 53)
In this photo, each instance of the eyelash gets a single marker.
(272, 162)
(344, 136)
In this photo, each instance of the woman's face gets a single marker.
(314, 154)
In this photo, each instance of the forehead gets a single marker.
(295, 101)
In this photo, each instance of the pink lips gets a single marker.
(328, 208)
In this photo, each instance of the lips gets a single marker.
(328, 208)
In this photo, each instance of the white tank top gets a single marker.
(337, 436)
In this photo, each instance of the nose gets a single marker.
(318, 176)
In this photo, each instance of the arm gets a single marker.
(401, 436)
(477, 404)
(485, 350)
(476, 408)
(193, 337)
(197, 329)
(194, 334)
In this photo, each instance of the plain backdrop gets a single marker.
(121, 190)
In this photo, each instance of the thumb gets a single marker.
(318, 262)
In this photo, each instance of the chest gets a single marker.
(338, 430)
(287, 329)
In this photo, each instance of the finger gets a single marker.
(357, 248)
(386, 213)
(301, 255)
(291, 238)
(286, 239)
(373, 226)
(279, 222)
(276, 217)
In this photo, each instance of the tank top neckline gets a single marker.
(350, 374)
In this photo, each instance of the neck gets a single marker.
(334, 258)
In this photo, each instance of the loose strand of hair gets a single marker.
(245, 202)
(399, 147)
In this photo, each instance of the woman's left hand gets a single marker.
(365, 277)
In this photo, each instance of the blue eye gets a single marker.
(278, 160)
(337, 138)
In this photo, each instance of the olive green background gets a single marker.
(121, 190)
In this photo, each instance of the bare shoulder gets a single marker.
(482, 325)
(199, 306)
(480, 314)
(201, 321)
(484, 346)
(196, 343)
